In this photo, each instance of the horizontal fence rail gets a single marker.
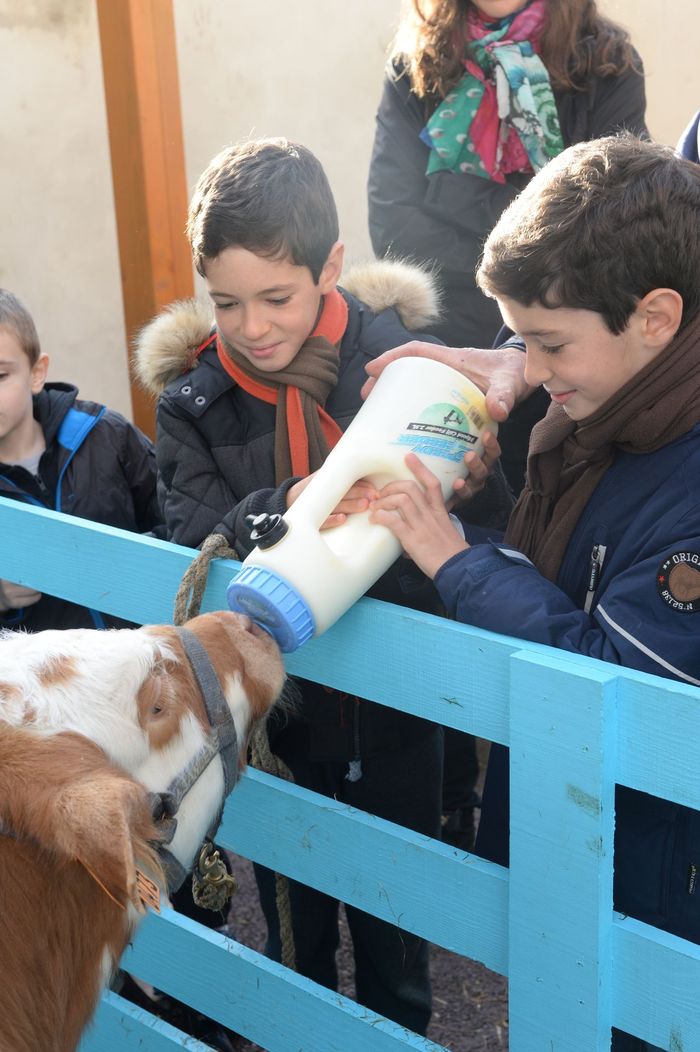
(575, 727)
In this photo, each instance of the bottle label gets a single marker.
(443, 430)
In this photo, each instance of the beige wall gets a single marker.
(310, 69)
(58, 249)
(668, 46)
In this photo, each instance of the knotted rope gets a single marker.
(188, 602)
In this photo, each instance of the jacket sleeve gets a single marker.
(139, 461)
(195, 500)
(619, 103)
(443, 218)
(497, 588)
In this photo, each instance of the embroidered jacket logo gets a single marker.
(678, 581)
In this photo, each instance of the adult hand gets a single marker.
(355, 500)
(16, 596)
(498, 373)
(480, 468)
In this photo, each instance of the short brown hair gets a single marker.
(269, 196)
(599, 227)
(15, 317)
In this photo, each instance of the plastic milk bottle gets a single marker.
(300, 579)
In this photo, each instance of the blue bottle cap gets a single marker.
(274, 604)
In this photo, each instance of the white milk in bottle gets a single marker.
(300, 579)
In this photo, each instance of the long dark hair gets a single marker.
(577, 43)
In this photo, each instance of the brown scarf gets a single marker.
(304, 432)
(567, 460)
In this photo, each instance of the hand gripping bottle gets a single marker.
(300, 579)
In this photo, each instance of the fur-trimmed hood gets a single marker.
(165, 348)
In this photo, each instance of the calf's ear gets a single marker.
(106, 826)
(64, 795)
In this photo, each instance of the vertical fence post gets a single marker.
(142, 96)
(562, 742)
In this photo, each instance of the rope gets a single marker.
(265, 760)
(188, 602)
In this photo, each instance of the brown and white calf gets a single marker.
(91, 723)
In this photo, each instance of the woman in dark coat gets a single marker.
(473, 104)
(478, 95)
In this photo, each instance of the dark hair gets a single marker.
(599, 227)
(577, 43)
(15, 317)
(269, 196)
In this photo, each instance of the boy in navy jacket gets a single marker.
(595, 265)
(61, 452)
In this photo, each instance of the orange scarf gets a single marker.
(304, 431)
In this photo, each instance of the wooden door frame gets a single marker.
(142, 95)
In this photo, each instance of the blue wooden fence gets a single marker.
(575, 726)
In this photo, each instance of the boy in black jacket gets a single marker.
(60, 452)
(248, 409)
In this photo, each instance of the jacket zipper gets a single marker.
(596, 567)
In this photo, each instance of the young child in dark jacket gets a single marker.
(596, 267)
(248, 409)
(60, 452)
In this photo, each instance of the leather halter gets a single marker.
(222, 741)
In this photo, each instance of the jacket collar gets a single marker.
(51, 405)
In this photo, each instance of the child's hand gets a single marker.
(416, 514)
(17, 596)
(355, 500)
(479, 470)
(295, 491)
